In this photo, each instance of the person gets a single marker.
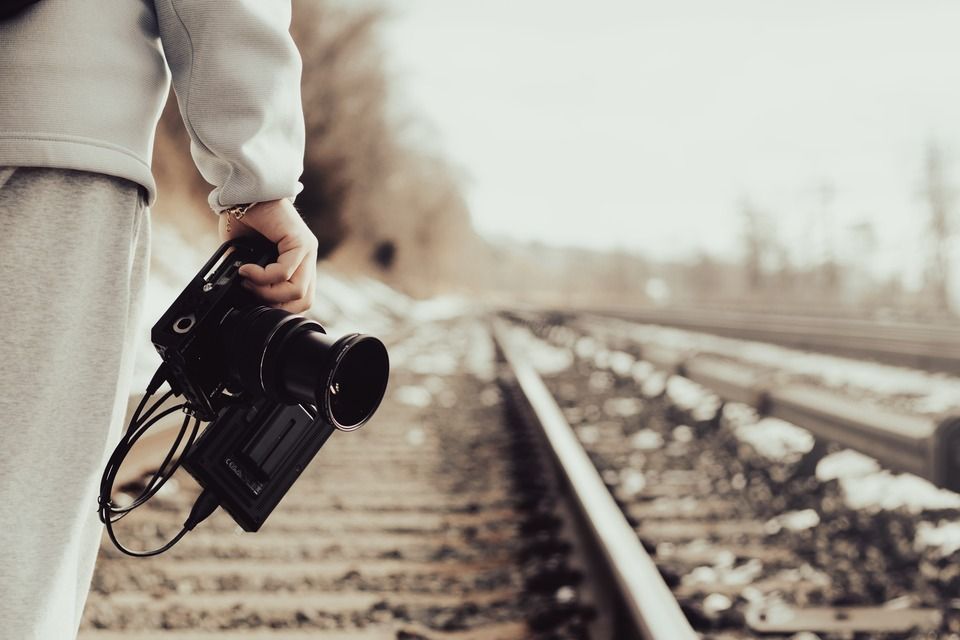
(82, 85)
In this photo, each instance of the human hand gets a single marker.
(290, 282)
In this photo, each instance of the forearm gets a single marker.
(236, 72)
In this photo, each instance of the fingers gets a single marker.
(289, 282)
(303, 304)
(294, 295)
(278, 272)
(285, 291)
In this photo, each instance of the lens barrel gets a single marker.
(291, 359)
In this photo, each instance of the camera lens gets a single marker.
(350, 383)
(291, 359)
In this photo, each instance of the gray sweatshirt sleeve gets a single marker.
(236, 73)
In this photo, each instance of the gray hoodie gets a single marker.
(82, 84)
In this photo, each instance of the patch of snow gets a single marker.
(655, 385)
(621, 363)
(632, 481)
(776, 439)
(623, 407)
(736, 414)
(944, 537)
(440, 308)
(413, 396)
(888, 491)
(343, 303)
(701, 575)
(641, 370)
(716, 603)
(386, 297)
(692, 397)
(586, 347)
(682, 433)
(743, 574)
(646, 440)
(601, 359)
(846, 464)
(866, 486)
(793, 521)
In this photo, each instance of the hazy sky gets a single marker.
(625, 123)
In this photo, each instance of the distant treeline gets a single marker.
(570, 277)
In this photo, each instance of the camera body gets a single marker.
(272, 384)
(185, 335)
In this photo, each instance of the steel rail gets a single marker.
(933, 347)
(925, 446)
(651, 606)
(928, 447)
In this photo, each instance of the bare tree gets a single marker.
(940, 197)
(757, 242)
(829, 269)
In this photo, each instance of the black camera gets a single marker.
(272, 384)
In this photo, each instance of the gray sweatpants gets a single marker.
(74, 254)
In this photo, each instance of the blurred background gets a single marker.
(709, 247)
(771, 155)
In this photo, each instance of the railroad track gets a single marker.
(924, 445)
(489, 502)
(924, 346)
(434, 521)
(751, 543)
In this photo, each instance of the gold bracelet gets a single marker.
(238, 210)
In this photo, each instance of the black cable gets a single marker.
(140, 423)
(160, 476)
(138, 419)
(201, 509)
